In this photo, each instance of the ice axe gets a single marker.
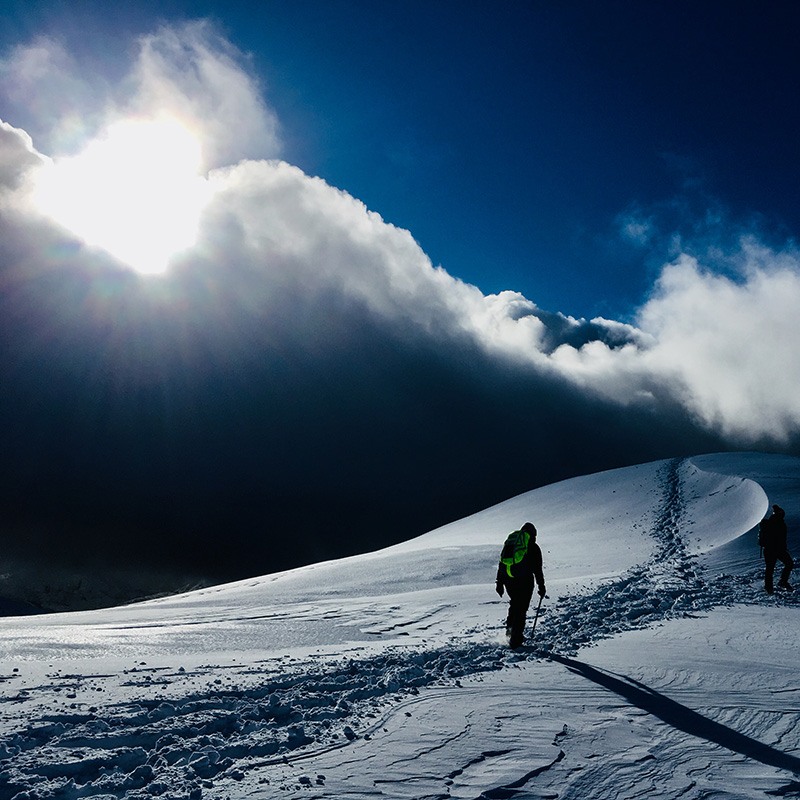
(536, 618)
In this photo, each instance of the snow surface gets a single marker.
(659, 667)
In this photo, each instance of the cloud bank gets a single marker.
(304, 372)
(716, 345)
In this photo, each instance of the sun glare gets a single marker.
(135, 191)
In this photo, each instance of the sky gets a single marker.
(514, 140)
(258, 257)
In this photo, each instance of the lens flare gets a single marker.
(135, 191)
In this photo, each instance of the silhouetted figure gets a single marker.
(520, 564)
(772, 537)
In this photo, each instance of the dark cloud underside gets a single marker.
(231, 450)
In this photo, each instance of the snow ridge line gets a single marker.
(667, 585)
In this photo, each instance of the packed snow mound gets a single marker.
(590, 527)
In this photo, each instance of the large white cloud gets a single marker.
(313, 234)
(725, 349)
(732, 345)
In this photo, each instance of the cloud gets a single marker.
(636, 228)
(51, 94)
(731, 345)
(200, 77)
(307, 232)
(188, 70)
(304, 372)
(17, 157)
(713, 344)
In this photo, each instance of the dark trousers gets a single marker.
(770, 559)
(520, 592)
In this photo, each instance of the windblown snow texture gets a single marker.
(232, 728)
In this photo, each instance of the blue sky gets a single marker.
(512, 138)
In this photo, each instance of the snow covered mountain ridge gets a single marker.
(658, 662)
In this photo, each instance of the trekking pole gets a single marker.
(536, 618)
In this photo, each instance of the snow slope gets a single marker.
(659, 666)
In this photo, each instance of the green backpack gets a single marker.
(515, 549)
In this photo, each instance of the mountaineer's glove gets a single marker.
(542, 591)
(498, 587)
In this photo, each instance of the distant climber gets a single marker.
(772, 538)
(520, 564)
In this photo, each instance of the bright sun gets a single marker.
(135, 191)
